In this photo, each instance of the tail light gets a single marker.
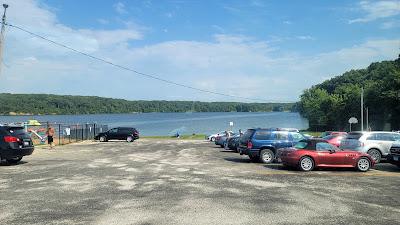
(11, 139)
(249, 145)
(217, 138)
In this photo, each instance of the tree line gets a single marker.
(330, 104)
(26, 104)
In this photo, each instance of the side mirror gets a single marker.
(332, 151)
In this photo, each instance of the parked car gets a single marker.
(318, 153)
(221, 140)
(232, 143)
(394, 155)
(326, 133)
(335, 139)
(119, 133)
(263, 144)
(375, 143)
(212, 137)
(15, 143)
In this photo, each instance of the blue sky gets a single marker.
(271, 50)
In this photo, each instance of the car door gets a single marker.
(282, 140)
(112, 134)
(386, 140)
(328, 155)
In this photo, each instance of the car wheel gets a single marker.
(102, 139)
(267, 156)
(375, 155)
(129, 139)
(14, 160)
(363, 164)
(212, 139)
(306, 163)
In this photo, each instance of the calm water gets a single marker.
(184, 123)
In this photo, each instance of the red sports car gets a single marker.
(335, 139)
(313, 153)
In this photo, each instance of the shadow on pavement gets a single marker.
(387, 167)
(238, 160)
(4, 163)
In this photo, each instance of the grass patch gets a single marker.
(183, 137)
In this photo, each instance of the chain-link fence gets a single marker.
(64, 133)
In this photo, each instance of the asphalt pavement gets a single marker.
(186, 182)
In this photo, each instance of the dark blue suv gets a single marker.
(262, 144)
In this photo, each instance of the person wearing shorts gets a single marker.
(50, 134)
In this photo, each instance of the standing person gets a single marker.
(50, 134)
(240, 132)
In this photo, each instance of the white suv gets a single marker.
(375, 143)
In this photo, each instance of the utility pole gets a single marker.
(367, 119)
(3, 29)
(362, 109)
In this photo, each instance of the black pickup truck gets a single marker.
(15, 143)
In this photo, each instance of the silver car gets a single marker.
(375, 143)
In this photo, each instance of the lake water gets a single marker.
(150, 124)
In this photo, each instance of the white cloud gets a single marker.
(233, 64)
(103, 21)
(305, 37)
(377, 9)
(391, 24)
(120, 8)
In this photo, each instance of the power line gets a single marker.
(129, 69)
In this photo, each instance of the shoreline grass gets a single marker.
(183, 137)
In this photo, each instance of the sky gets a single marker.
(270, 50)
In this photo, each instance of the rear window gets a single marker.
(354, 136)
(16, 130)
(301, 145)
(263, 135)
(247, 134)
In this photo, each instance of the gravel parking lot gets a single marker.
(186, 182)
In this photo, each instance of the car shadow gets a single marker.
(4, 163)
(387, 167)
(238, 160)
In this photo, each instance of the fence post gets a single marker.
(76, 133)
(59, 134)
(82, 132)
(94, 130)
(86, 131)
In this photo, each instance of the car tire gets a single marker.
(306, 163)
(267, 156)
(129, 139)
(212, 139)
(102, 139)
(363, 164)
(14, 160)
(375, 155)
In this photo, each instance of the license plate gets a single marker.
(26, 143)
(395, 158)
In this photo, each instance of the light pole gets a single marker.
(362, 109)
(3, 28)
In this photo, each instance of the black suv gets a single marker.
(14, 143)
(119, 133)
(394, 155)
